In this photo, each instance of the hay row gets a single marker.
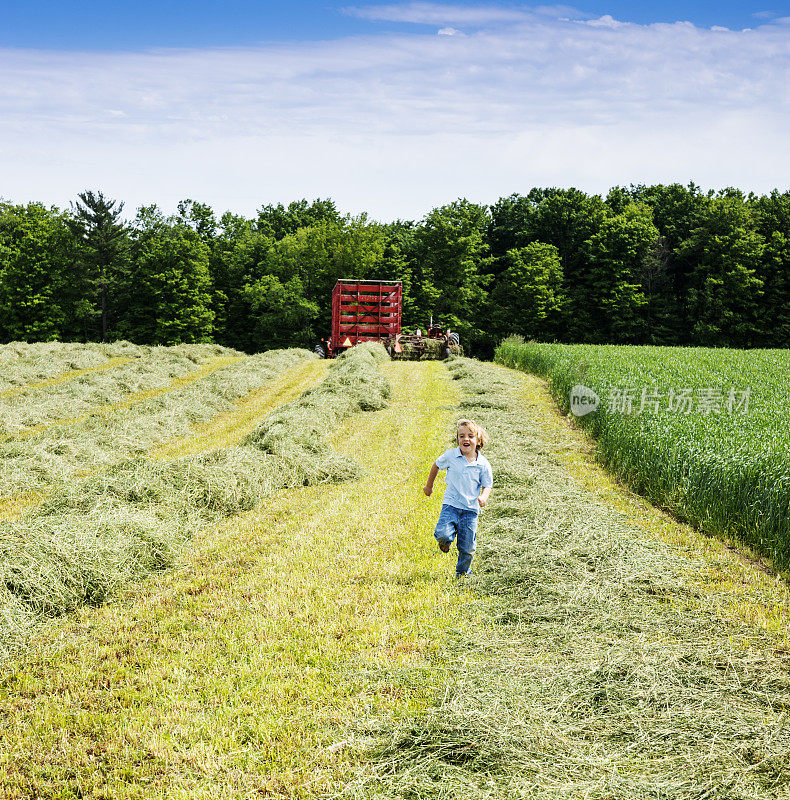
(107, 406)
(588, 666)
(22, 364)
(120, 524)
(117, 381)
(111, 363)
(231, 427)
(56, 455)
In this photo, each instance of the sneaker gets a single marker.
(444, 547)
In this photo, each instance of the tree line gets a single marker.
(664, 264)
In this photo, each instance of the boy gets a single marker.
(468, 471)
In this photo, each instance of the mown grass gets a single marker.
(239, 674)
(227, 428)
(232, 426)
(56, 455)
(592, 660)
(118, 383)
(32, 366)
(27, 365)
(89, 539)
(107, 407)
(728, 473)
(110, 363)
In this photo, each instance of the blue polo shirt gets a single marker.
(464, 480)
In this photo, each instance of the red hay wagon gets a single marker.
(364, 311)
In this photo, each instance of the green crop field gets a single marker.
(704, 432)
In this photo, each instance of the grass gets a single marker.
(57, 455)
(728, 473)
(733, 582)
(111, 363)
(238, 674)
(315, 646)
(90, 538)
(107, 407)
(593, 660)
(232, 426)
(100, 390)
(29, 367)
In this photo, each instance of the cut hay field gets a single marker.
(152, 398)
(290, 630)
(107, 508)
(677, 426)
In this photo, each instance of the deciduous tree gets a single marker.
(172, 298)
(449, 270)
(617, 254)
(280, 314)
(527, 298)
(725, 293)
(40, 298)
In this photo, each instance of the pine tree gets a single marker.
(104, 249)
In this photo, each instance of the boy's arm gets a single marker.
(488, 478)
(428, 488)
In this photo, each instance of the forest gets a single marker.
(663, 265)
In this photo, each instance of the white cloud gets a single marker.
(396, 124)
(449, 32)
(606, 21)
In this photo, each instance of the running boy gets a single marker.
(468, 471)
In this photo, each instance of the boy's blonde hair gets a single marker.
(478, 431)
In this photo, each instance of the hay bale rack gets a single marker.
(370, 311)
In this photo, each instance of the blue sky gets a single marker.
(391, 107)
(100, 25)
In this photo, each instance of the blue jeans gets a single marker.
(461, 525)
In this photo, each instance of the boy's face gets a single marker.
(467, 441)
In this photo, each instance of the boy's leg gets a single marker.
(446, 527)
(467, 539)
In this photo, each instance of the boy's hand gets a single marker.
(428, 488)
(482, 501)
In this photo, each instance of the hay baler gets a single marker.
(370, 311)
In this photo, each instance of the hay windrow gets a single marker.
(99, 391)
(22, 364)
(57, 454)
(588, 666)
(119, 524)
